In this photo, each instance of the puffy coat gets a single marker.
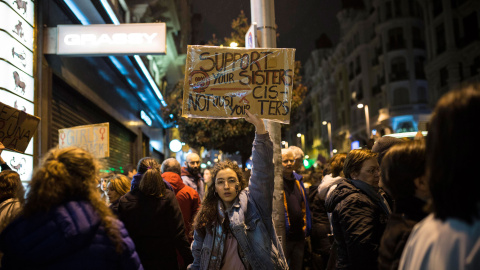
(70, 236)
(358, 224)
(156, 226)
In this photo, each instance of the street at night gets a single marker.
(237, 135)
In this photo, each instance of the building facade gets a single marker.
(125, 90)
(396, 58)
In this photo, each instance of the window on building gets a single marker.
(388, 10)
(420, 67)
(344, 118)
(422, 95)
(411, 8)
(351, 71)
(398, 69)
(417, 38)
(437, 8)
(395, 38)
(460, 70)
(358, 68)
(401, 96)
(440, 38)
(360, 91)
(475, 67)
(470, 28)
(443, 76)
(398, 8)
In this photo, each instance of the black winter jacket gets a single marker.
(358, 224)
(156, 227)
(407, 214)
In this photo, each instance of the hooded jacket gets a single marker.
(187, 198)
(358, 224)
(194, 181)
(69, 236)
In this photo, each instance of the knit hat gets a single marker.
(383, 144)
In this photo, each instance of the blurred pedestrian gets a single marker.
(207, 177)
(191, 174)
(234, 227)
(322, 237)
(154, 220)
(187, 197)
(129, 171)
(297, 212)
(118, 185)
(403, 174)
(359, 213)
(11, 197)
(449, 238)
(64, 223)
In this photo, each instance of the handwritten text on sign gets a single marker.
(16, 128)
(93, 138)
(223, 82)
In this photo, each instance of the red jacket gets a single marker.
(187, 198)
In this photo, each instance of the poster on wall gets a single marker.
(14, 24)
(24, 8)
(222, 82)
(16, 128)
(93, 138)
(21, 163)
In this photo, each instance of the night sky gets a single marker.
(299, 23)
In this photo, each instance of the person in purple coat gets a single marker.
(64, 223)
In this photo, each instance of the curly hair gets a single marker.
(207, 214)
(10, 186)
(354, 161)
(69, 174)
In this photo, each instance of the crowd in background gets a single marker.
(399, 204)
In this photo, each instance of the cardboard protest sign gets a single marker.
(16, 127)
(93, 138)
(222, 82)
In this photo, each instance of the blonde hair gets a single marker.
(120, 184)
(69, 174)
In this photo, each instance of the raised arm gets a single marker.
(262, 180)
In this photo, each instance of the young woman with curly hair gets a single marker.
(64, 223)
(234, 227)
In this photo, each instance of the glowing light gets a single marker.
(334, 151)
(175, 145)
(234, 44)
(324, 123)
(299, 135)
(360, 106)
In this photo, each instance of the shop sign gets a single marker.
(103, 39)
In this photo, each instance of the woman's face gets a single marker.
(111, 193)
(207, 176)
(369, 173)
(226, 184)
(103, 184)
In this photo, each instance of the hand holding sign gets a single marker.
(225, 82)
(258, 123)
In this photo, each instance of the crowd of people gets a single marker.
(403, 204)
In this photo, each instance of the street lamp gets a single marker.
(233, 44)
(367, 118)
(329, 130)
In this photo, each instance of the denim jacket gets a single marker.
(250, 220)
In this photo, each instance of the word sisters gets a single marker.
(223, 82)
